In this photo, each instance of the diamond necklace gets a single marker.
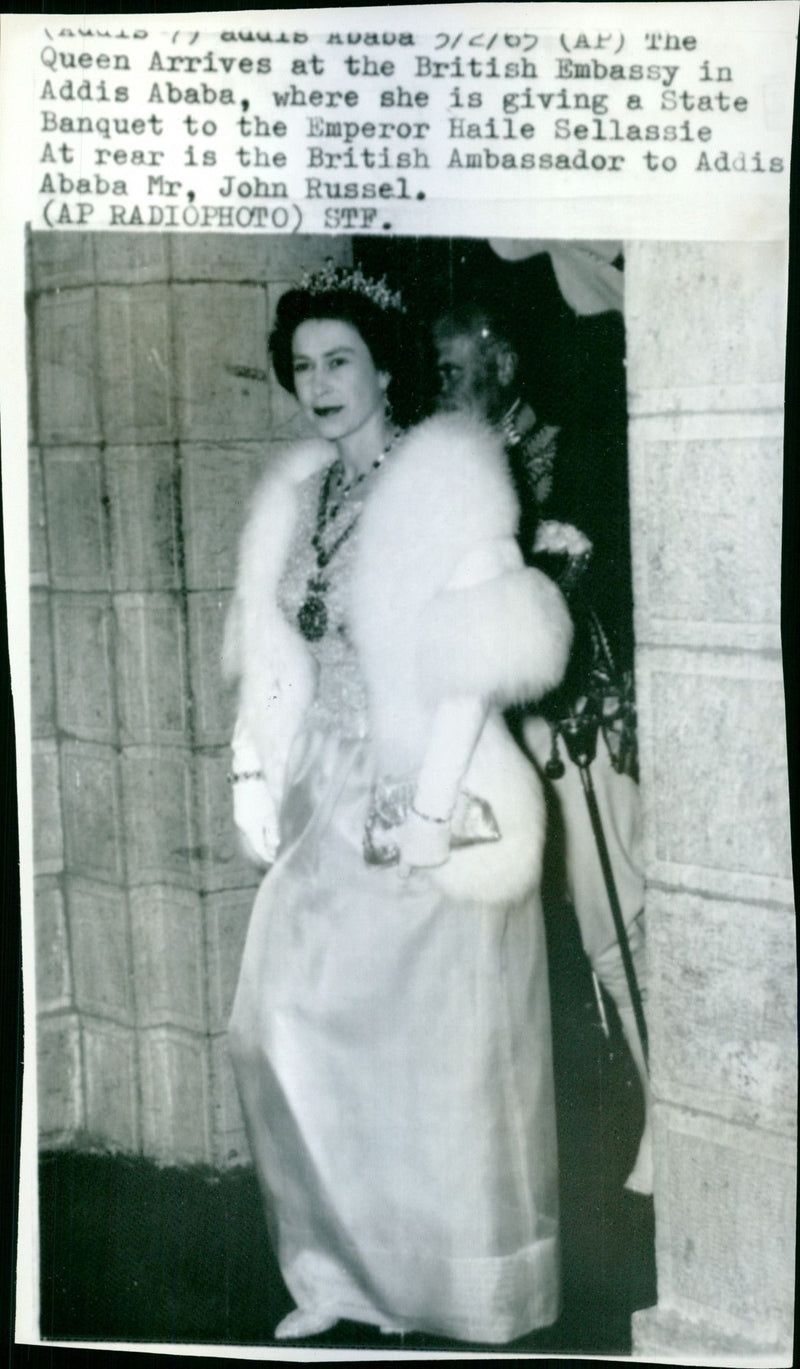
(312, 616)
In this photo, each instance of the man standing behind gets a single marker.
(479, 371)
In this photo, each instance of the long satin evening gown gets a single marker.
(393, 1052)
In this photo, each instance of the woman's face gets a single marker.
(335, 379)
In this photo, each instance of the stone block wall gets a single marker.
(705, 343)
(152, 415)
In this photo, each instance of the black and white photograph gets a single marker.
(408, 941)
(342, 977)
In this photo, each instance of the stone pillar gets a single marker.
(705, 341)
(153, 413)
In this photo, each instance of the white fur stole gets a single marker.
(429, 623)
(422, 633)
(268, 656)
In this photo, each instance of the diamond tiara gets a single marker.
(331, 277)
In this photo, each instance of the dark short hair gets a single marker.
(399, 348)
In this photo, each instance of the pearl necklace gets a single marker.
(312, 616)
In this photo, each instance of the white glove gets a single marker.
(254, 809)
(255, 816)
(423, 842)
(424, 838)
(457, 725)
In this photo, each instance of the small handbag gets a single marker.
(472, 821)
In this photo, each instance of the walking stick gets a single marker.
(580, 737)
(579, 730)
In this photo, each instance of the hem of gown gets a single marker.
(502, 1298)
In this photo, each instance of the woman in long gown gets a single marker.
(391, 1027)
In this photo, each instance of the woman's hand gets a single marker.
(424, 843)
(255, 816)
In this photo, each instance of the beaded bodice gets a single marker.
(340, 699)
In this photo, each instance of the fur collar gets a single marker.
(446, 497)
(424, 630)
